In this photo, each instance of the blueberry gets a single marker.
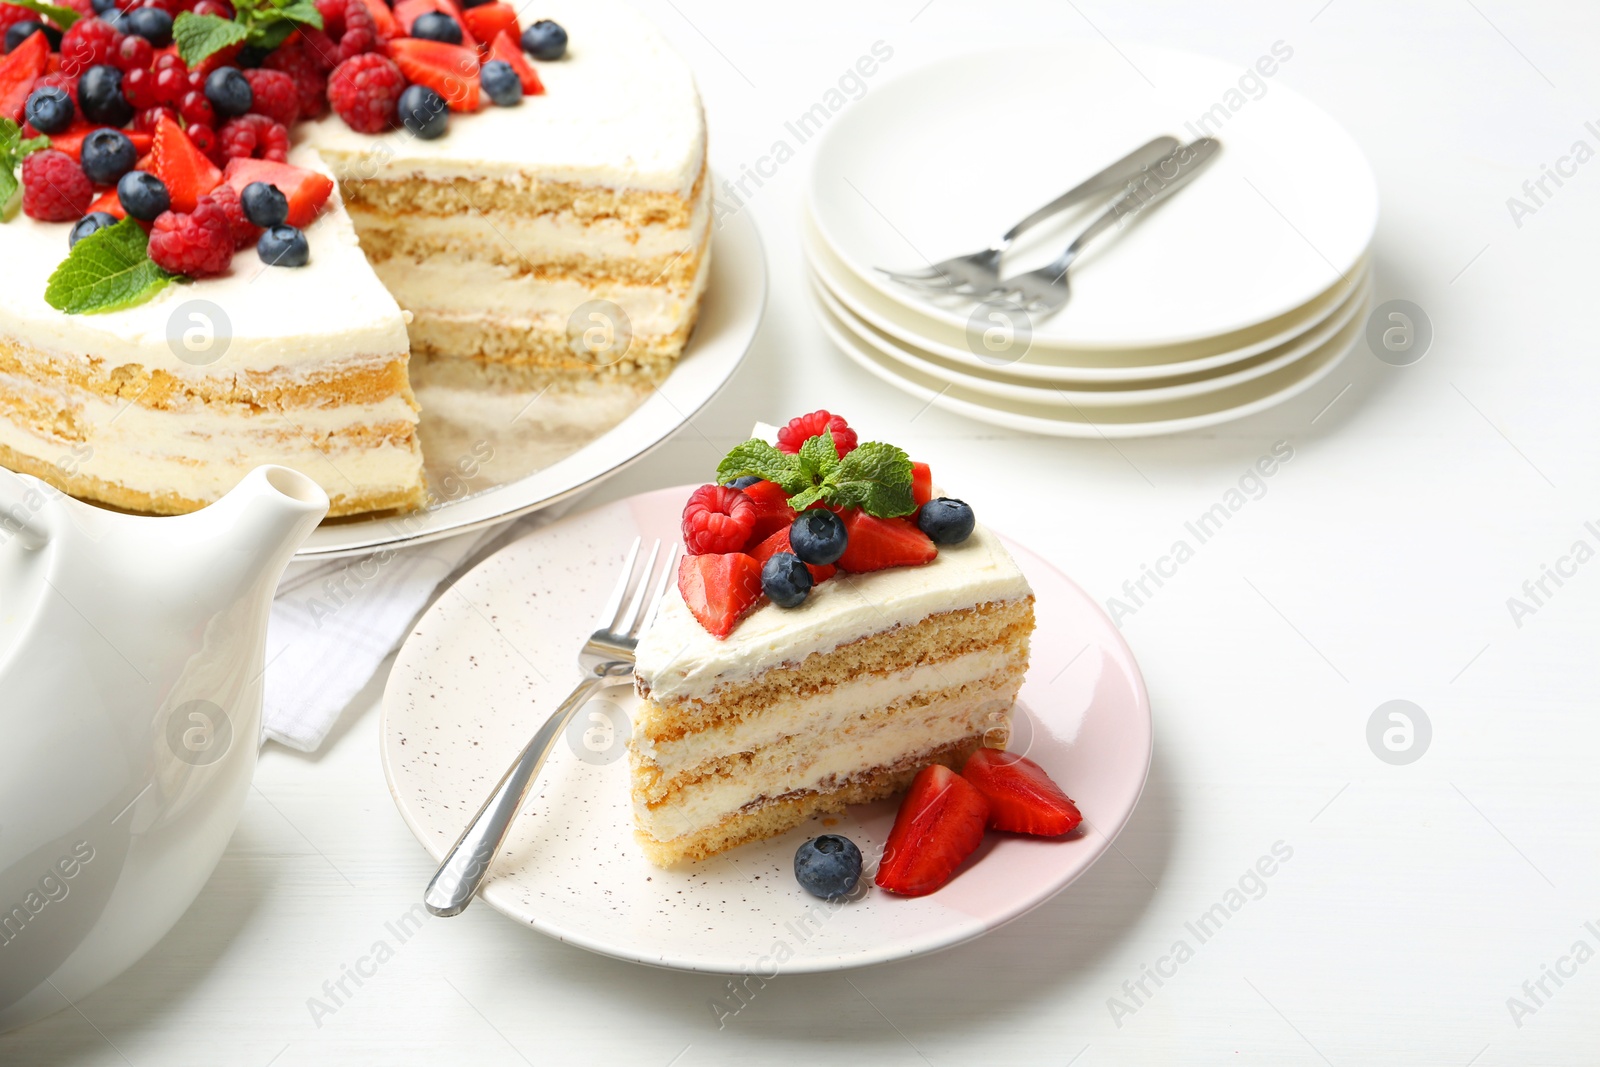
(283, 246)
(100, 96)
(102, 6)
(501, 83)
(424, 112)
(151, 23)
(946, 521)
(264, 205)
(94, 220)
(785, 580)
(50, 109)
(437, 26)
(229, 91)
(143, 195)
(828, 866)
(818, 536)
(545, 40)
(21, 31)
(107, 156)
(473, 3)
(743, 483)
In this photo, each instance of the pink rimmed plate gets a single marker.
(484, 666)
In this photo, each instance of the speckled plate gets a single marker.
(486, 664)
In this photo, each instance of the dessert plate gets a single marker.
(1072, 420)
(489, 660)
(995, 384)
(480, 468)
(1284, 211)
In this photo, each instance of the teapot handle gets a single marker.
(19, 518)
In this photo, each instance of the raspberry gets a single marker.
(227, 198)
(360, 32)
(54, 187)
(205, 139)
(294, 61)
(717, 519)
(254, 137)
(275, 95)
(88, 43)
(802, 429)
(332, 12)
(365, 91)
(197, 244)
(319, 47)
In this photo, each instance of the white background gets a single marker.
(1376, 567)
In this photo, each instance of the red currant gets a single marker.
(220, 8)
(171, 84)
(196, 109)
(139, 87)
(146, 120)
(166, 61)
(134, 53)
(196, 80)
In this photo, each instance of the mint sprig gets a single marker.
(63, 17)
(265, 24)
(13, 147)
(108, 270)
(875, 477)
(199, 36)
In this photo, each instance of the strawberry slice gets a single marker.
(388, 25)
(109, 203)
(1021, 796)
(505, 47)
(408, 11)
(488, 21)
(877, 544)
(179, 163)
(18, 70)
(719, 589)
(921, 483)
(939, 824)
(71, 141)
(307, 190)
(779, 542)
(773, 512)
(449, 70)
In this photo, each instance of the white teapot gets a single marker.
(131, 662)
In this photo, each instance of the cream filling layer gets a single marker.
(818, 715)
(826, 764)
(200, 453)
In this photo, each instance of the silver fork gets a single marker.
(606, 656)
(978, 273)
(1045, 291)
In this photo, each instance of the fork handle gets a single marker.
(1118, 173)
(1187, 161)
(464, 868)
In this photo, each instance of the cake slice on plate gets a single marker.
(835, 629)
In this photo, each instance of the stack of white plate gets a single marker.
(1244, 289)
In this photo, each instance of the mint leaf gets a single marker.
(12, 149)
(199, 36)
(818, 458)
(63, 17)
(301, 11)
(759, 459)
(108, 270)
(874, 477)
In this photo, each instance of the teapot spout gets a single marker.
(253, 531)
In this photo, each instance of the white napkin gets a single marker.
(335, 621)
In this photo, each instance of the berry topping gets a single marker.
(828, 866)
(284, 246)
(946, 521)
(486, 21)
(773, 512)
(940, 823)
(94, 220)
(89, 43)
(424, 112)
(20, 68)
(143, 195)
(779, 542)
(921, 483)
(802, 429)
(307, 190)
(785, 580)
(18, 34)
(54, 187)
(309, 74)
(197, 244)
(243, 230)
(365, 92)
(719, 588)
(504, 47)
(50, 110)
(254, 137)
(437, 26)
(100, 96)
(449, 70)
(264, 204)
(229, 91)
(501, 83)
(388, 25)
(1021, 796)
(360, 34)
(178, 162)
(107, 155)
(151, 23)
(717, 519)
(545, 40)
(274, 95)
(819, 536)
(878, 544)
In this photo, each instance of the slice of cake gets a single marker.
(904, 643)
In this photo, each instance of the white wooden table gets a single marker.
(1416, 900)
